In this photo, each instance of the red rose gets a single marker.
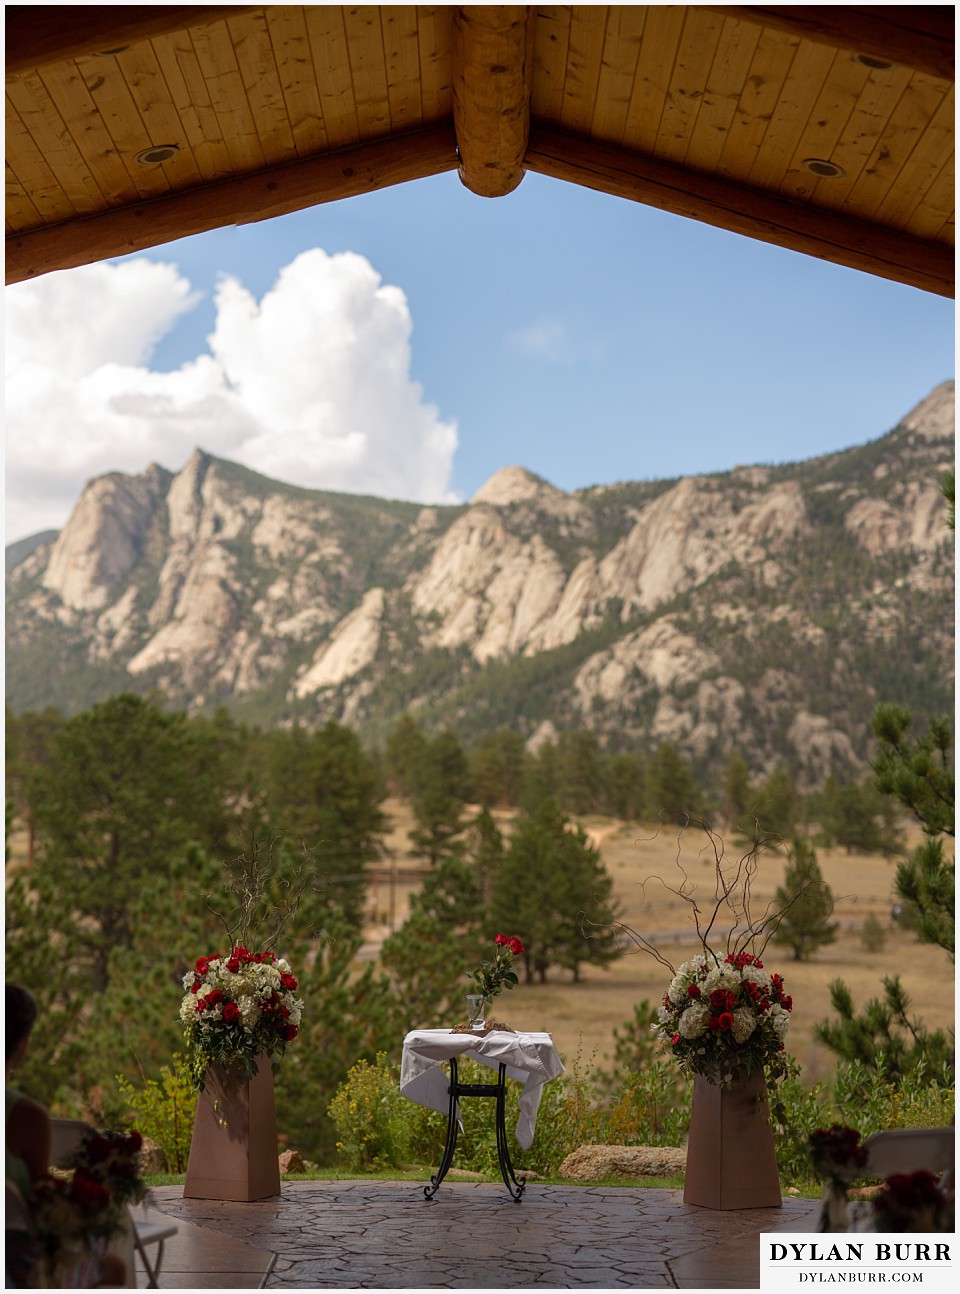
(693, 990)
(89, 1194)
(233, 965)
(214, 997)
(675, 1039)
(787, 1002)
(722, 999)
(289, 983)
(231, 1013)
(289, 1032)
(202, 966)
(726, 1020)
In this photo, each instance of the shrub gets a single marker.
(650, 1107)
(163, 1110)
(873, 937)
(369, 1115)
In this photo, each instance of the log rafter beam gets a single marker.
(917, 36)
(276, 191)
(828, 235)
(492, 84)
(39, 34)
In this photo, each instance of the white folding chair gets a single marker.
(910, 1150)
(66, 1136)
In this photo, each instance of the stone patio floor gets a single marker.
(385, 1235)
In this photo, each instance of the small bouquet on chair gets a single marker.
(78, 1212)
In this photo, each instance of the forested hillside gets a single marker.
(767, 609)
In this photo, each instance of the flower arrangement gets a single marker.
(913, 1202)
(838, 1155)
(81, 1209)
(236, 1008)
(493, 977)
(113, 1160)
(726, 1018)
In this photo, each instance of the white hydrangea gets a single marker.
(188, 1008)
(758, 977)
(693, 1022)
(721, 977)
(296, 1010)
(780, 1020)
(744, 1023)
(249, 1009)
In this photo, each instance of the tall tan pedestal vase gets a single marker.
(731, 1159)
(233, 1154)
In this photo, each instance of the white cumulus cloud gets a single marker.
(311, 384)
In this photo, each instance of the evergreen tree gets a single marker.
(805, 925)
(439, 796)
(126, 790)
(884, 1037)
(486, 851)
(579, 772)
(430, 955)
(29, 738)
(624, 787)
(541, 779)
(777, 805)
(403, 756)
(919, 774)
(554, 892)
(496, 765)
(324, 790)
(672, 791)
(736, 797)
(857, 818)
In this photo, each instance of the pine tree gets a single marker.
(440, 792)
(672, 791)
(805, 925)
(919, 774)
(554, 892)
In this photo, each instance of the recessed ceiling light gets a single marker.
(869, 61)
(157, 153)
(820, 166)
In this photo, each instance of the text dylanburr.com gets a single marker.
(817, 1262)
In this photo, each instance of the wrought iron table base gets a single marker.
(498, 1091)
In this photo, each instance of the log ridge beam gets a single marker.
(492, 83)
(828, 235)
(275, 191)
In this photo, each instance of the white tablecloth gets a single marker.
(530, 1058)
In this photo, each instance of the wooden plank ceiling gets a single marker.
(828, 130)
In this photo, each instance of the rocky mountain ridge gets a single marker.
(766, 608)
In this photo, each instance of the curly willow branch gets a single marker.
(732, 889)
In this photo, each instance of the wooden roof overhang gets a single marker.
(730, 115)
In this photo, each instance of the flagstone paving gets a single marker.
(385, 1235)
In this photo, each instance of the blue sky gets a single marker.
(584, 337)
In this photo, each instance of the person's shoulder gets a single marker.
(26, 1110)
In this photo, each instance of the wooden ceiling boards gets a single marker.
(827, 130)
